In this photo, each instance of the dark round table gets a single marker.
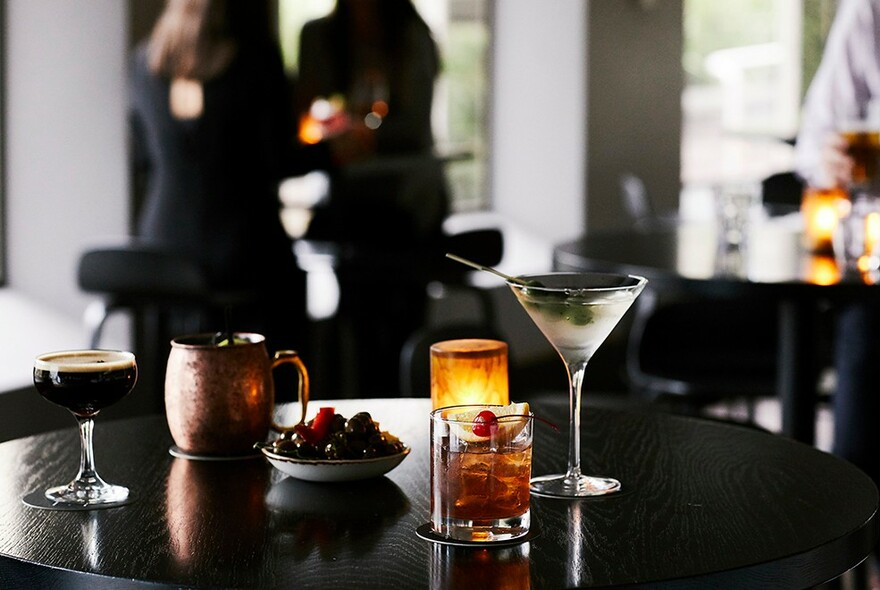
(704, 504)
(774, 268)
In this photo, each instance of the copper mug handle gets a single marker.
(291, 356)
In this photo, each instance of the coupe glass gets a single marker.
(84, 382)
(575, 312)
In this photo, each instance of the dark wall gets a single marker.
(634, 84)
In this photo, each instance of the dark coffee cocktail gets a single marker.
(85, 382)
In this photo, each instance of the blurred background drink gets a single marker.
(863, 146)
(859, 125)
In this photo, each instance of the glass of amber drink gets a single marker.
(481, 463)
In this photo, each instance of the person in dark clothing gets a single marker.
(213, 134)
(378, 62)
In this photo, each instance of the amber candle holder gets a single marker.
(469, 371)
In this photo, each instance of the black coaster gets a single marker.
(177, 452)
(38, 499)
(427, 533)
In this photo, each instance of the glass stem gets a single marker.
(87, 454)
(575, 379)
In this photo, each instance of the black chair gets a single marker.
(166, 294)
(484, 245)
(781, 192)
(638, 206)
(688, 353)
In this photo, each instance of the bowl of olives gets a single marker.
(331, 447)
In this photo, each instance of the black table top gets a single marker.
(703, 503)
(775, 263)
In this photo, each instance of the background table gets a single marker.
(703, 505)
(775, 268)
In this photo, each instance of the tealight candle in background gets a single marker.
(469, 371)
(822, 270)
(821, 211)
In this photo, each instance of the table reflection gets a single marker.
(216, 512)
(578, 574)
(501, 568)
(332, 518)
(92, 537)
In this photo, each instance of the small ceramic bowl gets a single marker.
(327, 470)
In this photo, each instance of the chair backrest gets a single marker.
(415, 357)
(782, 191)
(703, 348)
(637, 203)
(165, 293)
(135, 270)
(484, 245)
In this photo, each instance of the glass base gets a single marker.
(563, 486)
(483, 531)
(75, 496)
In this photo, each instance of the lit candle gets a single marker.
(469, 371)
(872, 238)
(821, 211)
(822, 270)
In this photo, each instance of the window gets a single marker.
(2, 147)
(747, 66)
(461, 29)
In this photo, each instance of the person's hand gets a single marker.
(836, 165)
(356, 143)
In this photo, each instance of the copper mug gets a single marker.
(220, 399)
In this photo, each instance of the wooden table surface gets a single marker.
(704, 504)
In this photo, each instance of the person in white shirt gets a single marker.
(847, 84)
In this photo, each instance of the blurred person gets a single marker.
(847, 81)
(379, 57)
(365, 88)
(846, 85)
(369, 68)
(213, 135)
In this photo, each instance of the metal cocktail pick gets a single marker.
(506, 277)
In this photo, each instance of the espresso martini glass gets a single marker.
(84, 382)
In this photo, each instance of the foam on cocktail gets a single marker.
(84, 361)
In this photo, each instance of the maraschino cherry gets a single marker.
(485, 424)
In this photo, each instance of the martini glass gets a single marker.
(575, 312)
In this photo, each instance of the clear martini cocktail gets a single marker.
(576, 312)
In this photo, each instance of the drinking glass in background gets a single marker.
(481, 463)
(857, 236)
(859, 125)
(736, 206)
